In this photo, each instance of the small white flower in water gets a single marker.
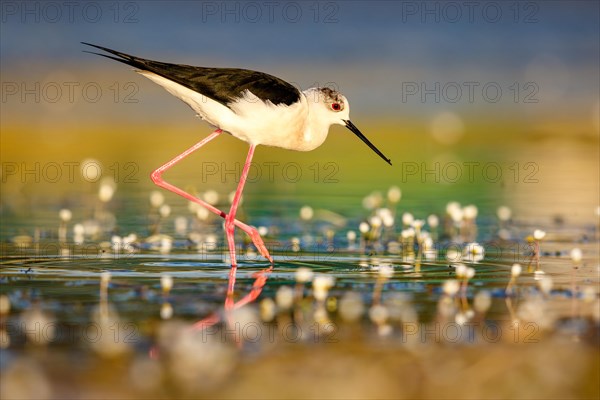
(65, 215)
(384, 212)
(433, 221)
(368, 202)
(306, 213)
(164, 210)
(388, 221)
(351, 236)
(453, 255)
(351, 307)
(267, 309)
(372, 201)
(407, 233)
(427, 243)
(211, 197)
(470, 273)
(515, 270)
(106, 192)
(394, 194)
(407, 218)
(263, 230)
(165, 245)
(202, 213)
(304, 274)
(131, 238)
(323, 282)
(363, 227)
(321, 285)
(156, 199)
(284, 297)
(456, 214)
(539, 234)
(116, 243)
(166, 282)
(450, 287)
(78, 230)
(384, 330)
(193, 206)
(461, 318)
(375, 221)
(378, 314)
(470, 211)
(474, 252)
(576, 255)
(504, 213)
(181, 225)
(166, 311)
(295, 244)
(452, 206)
(460, 270)
(418, 223)
(545, 283)
(482, 301)
(91, 170)
(386, 271)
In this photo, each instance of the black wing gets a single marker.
(220, 84)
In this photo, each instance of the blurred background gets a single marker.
(490, 102)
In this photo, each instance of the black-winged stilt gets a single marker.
(255, 107)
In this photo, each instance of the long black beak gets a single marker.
(362, 137)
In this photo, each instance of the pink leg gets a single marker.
(257, 287)
(230, 218)
(158, 180)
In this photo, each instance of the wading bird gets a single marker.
(255, 107)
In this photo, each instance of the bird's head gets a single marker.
(332, 107)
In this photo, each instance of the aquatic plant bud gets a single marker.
(156, 199)
(482, 301)
(515, 270)
(164, 210)
(394, 194)
(65, 215)
(433, 221)
(304, 274)
(450, 287)
(306, 213)
(470, 211)
(166, 282)
(576, 254)
(545, 283)
(351, 307)
(504, 213)
(407, 219)
(284, 297)
(386, 271)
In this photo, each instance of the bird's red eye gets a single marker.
(336, 107)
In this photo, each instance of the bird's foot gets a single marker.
(259, 244)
